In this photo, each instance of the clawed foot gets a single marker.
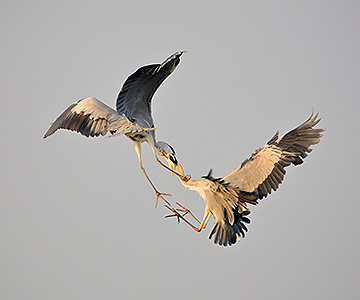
(175, 213)
(184, 211)
(160, 195)
(180, 214)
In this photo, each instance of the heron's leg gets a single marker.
(158, 194)
(186, 211)
(203, 223)
(206, 217)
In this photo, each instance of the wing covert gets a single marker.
(264, 171)
(91, 117)
(134, 99)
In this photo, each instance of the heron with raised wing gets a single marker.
(227, 198)
(132, 116)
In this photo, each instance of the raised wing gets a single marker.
(91, 117)
(265, 169)
(134, 99)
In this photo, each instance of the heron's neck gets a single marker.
(178, 168)
(190, 184)
(193, 185)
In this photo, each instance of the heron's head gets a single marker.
(167, 152)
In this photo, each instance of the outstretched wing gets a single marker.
(265, 169)
(134, 99)
(91, 117)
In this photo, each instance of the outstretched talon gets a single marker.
(183, 212)
(181, 216)
(160, 195)
(176, 214)
(183, 209)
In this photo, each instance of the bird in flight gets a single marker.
(132, 116)
(227, 198)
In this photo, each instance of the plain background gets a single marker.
(77, 215)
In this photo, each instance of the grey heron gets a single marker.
(132, 116)
(227, 198)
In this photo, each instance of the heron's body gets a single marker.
(132, 116)
(227, 198)
(227, 204)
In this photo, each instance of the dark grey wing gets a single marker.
(134, 99)
(265, 169)
(91, 117)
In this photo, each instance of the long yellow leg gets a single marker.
(185, 211)
(158, 194)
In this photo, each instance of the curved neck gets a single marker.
(178, 168)
(189, 183)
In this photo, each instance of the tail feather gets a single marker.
(226, 234)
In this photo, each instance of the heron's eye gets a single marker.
(173, 159)
(172, 149)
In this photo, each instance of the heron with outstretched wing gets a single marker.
(227, 198)
(132, 116)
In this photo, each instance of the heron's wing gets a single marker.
(224, 200)
(265, 169)
(229, 211)
(91, 117)
(134, 99)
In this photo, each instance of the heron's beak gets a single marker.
(172, 169)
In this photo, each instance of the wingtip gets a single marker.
(47, 133)
(179, 53)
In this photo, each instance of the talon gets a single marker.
(170, 216)
(160, 195)
(176, 214)
(163, 194)
(185, 211)
(183, 207)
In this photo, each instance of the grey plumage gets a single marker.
(135, 102)
(265, 169)
(227, 197)
(93, 118)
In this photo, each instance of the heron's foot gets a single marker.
(183, 209)
(175, 213)
(160, 195)
(180, 213)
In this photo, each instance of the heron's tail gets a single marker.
(226, 234)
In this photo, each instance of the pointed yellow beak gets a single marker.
(172, 168)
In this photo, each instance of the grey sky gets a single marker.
(77, 215)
